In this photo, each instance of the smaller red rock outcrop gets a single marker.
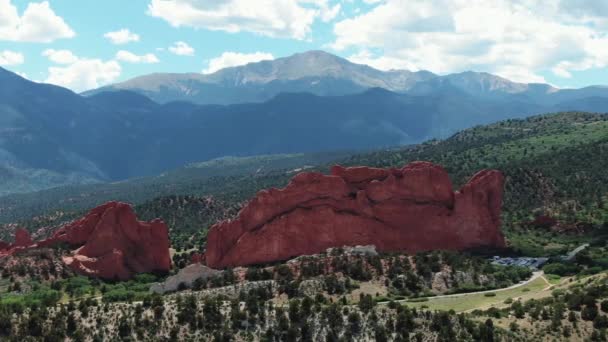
(110, 243)
(410, 209)
(114, 244)
(23, 240)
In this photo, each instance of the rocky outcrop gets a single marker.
(185, 277)
(410, 209)
(114, 244)
(109, 242)
(23, 240)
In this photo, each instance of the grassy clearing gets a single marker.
(480, 300)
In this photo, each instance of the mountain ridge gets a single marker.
(50, 136)
(325, 74)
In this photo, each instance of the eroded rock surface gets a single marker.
(109, 243)
(115, 245)
(22, 241)
(410, 209)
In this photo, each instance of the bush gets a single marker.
(489, 294)
(561, 269)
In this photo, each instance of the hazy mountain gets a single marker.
(50, 136)
(321, 73)
(316, 72)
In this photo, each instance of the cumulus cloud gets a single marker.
(39, 23)
(8, 57)
(182, 49)
(122, 36)
(231, 59)
(130, 57)
(273, 18)
(78, 73)
(60, 56)
(84, 74)
(516, 39)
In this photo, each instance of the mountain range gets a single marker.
(323, 74)
(309, 102)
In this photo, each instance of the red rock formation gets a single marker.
(22, 238)
(197, 258)
(114, 244)
(410, 209)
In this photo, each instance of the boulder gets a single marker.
(410, 209)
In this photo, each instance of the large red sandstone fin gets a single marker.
(411, 209)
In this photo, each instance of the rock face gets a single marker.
(410, 209)
(114, 244)
(23, 240)
(110, 243)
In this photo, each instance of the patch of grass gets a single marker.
(479, 300)
(553, 279)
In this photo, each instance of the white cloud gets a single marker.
(273, 18)
(231, 59)
(130, 57)
(516, 39)
(22, 74)
(182, 49)
(122, 36)
(39, 23)
(60, 56)
(8, 57)
(78, 73)
(84, 74)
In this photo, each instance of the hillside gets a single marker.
(352, 293)
(52, 137)
(546, 160)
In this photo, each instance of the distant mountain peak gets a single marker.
(324, 74)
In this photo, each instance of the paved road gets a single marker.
(572, 254)
(535, 275)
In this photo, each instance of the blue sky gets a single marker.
(85, 44)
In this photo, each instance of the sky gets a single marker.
(85, 44)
